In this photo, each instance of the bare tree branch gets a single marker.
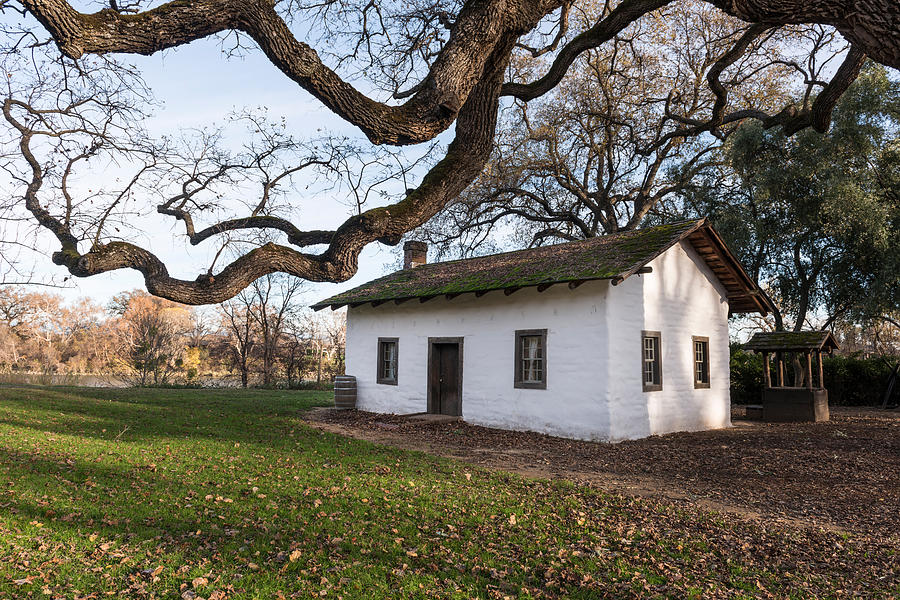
(450, 57)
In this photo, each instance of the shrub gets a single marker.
(853, 381)
(746, 376)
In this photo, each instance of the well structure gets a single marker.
(806, 398)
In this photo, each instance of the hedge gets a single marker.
(851, 381)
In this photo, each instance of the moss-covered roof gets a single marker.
(784, 341)
(609, 257)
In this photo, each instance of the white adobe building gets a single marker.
(612, 338)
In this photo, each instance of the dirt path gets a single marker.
(842, 476)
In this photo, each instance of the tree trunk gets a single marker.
(799, 371)
(290, 367)
(776, 314)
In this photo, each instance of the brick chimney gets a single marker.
(414, 254)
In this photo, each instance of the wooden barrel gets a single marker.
(345, 391)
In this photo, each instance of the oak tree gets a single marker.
(816, 218)
(591, 157)
(420, 69)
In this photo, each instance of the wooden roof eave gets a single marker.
(507, 291)
(829, 342)
(733, 266)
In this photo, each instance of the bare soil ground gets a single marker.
(842, 476)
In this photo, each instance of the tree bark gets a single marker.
(480, 28)
(873, 25)
(462, 85)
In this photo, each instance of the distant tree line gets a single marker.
(264, 337)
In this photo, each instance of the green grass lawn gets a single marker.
(227, 494)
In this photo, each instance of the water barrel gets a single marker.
(345, 391)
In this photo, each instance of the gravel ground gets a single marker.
(841, 476)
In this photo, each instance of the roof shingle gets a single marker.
(775, 341)
(614, 256)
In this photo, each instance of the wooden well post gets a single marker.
(821, 370)
(809, 381)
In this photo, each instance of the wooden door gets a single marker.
(444, 378)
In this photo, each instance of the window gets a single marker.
(531, 359)
(701, 361)
(651, 361)
(387, 361)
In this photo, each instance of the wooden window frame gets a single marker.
(694, 340)
(378, 359)
(517, 381)
(658, 386)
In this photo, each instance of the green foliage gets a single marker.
(816, 217)
(746, 376)
(855, 381)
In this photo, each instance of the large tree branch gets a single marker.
(607, 28)
(790, 118)
(477, 31)
(296, 236)
(465, 158)
(819, 115)
(873, 25)
(873, 28)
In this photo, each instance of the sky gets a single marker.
(199, 85)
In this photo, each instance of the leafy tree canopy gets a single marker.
(814, 216)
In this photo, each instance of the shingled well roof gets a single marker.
(791, 340)
(614, 257)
